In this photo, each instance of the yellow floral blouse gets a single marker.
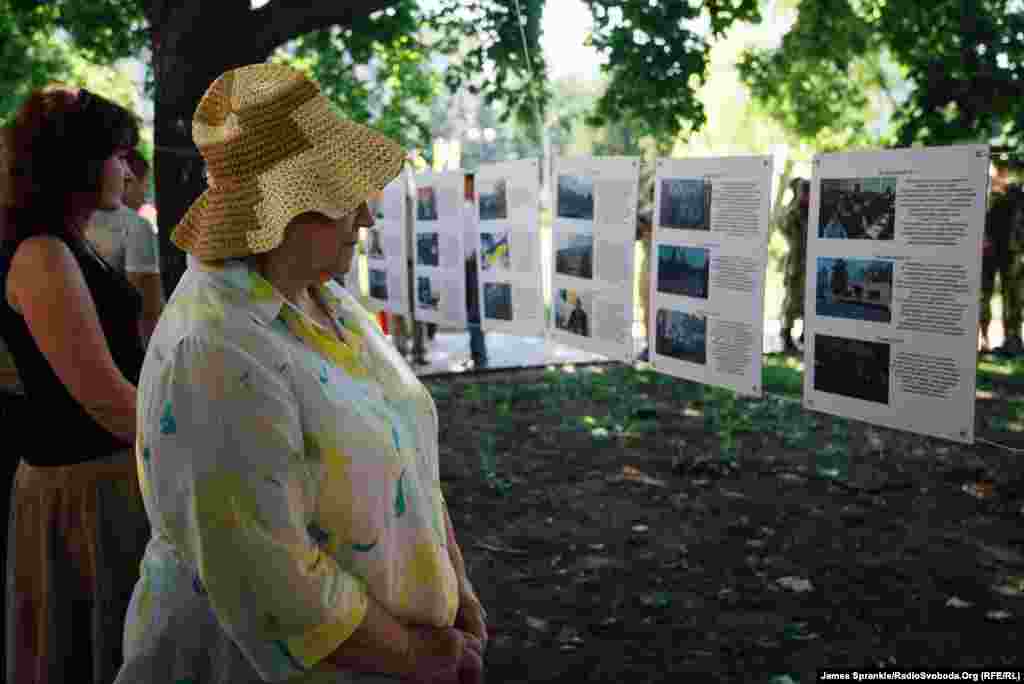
(286, 476)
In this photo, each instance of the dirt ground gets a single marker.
(623, 526)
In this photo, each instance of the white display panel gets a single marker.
(510, 277)
(592, 265)
(439, 271)
(893, 278)
(708, 262)
(386, 248)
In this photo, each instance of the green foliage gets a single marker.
(100, 30)
(813, 84)
(486, 37)
(30, 55)
(396, 97)
(963, 61)
(652, 50)
(782, 374)
(386, 68)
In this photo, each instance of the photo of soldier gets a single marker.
(1002, 255)
(794, 230)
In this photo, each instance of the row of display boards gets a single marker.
(892, 277)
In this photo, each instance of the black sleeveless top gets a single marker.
(119, 306)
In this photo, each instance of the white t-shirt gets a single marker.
(126, 240)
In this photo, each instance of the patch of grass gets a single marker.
(993, 369)
(783, 374)
(489, 465)
(473, 393)
(439, 391)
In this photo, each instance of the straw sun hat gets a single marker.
(274, 150)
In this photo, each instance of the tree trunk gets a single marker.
(190, 52)
(194, 42)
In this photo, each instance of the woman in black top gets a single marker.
(77, 528)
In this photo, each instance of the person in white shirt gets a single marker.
(129, 243)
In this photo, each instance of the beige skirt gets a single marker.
(76, 535)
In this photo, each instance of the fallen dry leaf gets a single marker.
(979, 490)
(632, 474)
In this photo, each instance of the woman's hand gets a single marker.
(444, 655)
(472, 617)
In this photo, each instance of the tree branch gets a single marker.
(283, 20)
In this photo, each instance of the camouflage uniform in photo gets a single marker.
(794, 230)
(1004, 255)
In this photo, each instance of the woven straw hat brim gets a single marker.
(267, 167)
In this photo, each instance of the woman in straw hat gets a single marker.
(287, 454)
(77, 527)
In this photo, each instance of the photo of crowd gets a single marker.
(427, 249)
(681, 336)
(498, 301)
(494, 201)
(858, 209)
(575, 197)
(576, 256)
(426, 296)
(378, 284)
(572, 313)
(426, 204)
(684, 271)
(685, 204)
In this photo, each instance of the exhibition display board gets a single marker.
(592, 238)
(708, 262)
(507, 209)
(892, 290)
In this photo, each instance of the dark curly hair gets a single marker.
(56, 149)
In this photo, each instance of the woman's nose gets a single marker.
(364, 217)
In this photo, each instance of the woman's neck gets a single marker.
(294, 289)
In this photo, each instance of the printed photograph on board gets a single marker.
(685, 204)
(494, 201)
(681, 336)
(859, 289)
(427, 249)
(572, 312)
(378, 284)
(426, 296)
(858, 209)
(495, 248)
(374, 248)
(426, 204)
(575, 197)
(498, 301)
(575, 255)
(852, 368)
(684, 271)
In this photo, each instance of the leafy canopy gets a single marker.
(962, 63)
(386, 67)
